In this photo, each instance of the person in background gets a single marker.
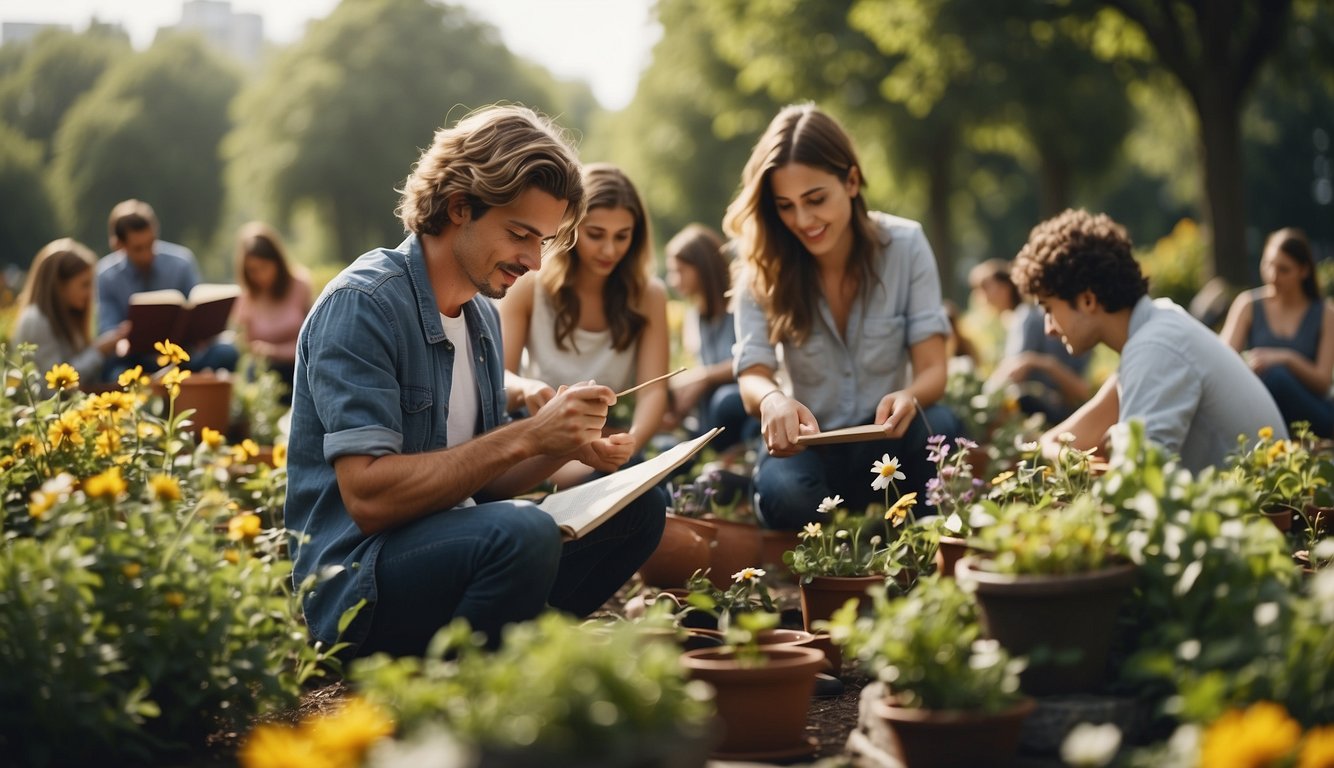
(698, 271)
(852, 299)
(274, 301)
(55, 311)
(595, 312)
(1285, 331)
(402, 462)
(1050, 379)
(140, 262)
(1193, 394)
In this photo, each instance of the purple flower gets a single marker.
(964, 443)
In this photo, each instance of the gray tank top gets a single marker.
(1307, 339)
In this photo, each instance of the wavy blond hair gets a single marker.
(773, 263)
(57, 263)
(491, 157)
(607, 187)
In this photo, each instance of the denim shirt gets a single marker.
(373, 374)
(843, 378)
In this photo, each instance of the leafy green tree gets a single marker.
(150, 129)
(336, 121)
(57, 68)
(1215, 50)
(27, 219)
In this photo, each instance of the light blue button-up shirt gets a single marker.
(373, 376)
(842, 379)
(174, 266)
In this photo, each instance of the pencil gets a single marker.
(638, 387)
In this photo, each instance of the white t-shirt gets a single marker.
(463, 406)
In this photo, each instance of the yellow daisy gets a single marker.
(1252, 738)
(62, 376)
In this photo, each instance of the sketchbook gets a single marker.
(582, 508)
(857, 434)
(168, 314)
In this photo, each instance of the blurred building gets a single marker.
(240, 34)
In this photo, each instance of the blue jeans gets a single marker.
(499, 563)
(1297, 403)
(788, 491)
(724, 408)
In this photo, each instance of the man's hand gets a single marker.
(571, 419)
(607, 454)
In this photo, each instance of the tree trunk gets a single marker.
(1054, 189)
(938, 219)
(1225, 213)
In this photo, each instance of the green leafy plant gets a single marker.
(929, 649)
(746, 594)
(1026, 539)
(559, 688)
(843, 545)
(143, 607)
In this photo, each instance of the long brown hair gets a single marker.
(262, 241)
(58, 262)
(605, 187)
(702, 248)
(1292, 242)
(780, 271)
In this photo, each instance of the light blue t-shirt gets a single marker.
(1194, 393)
(842, 380)
(174, 266)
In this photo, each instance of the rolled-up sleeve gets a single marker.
(360, 409)
(752, 335)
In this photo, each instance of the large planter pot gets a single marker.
(763, 708)
(927, 738)
(736, 546)
(773, 545)
(950, 550)
(1281, 517)
(680, 553)
(209, 395)
(1071, 615)
(825, 594)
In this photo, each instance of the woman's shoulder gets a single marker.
(892, 227)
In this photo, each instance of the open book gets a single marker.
(857, 434)
(167, 314)
(582, 508)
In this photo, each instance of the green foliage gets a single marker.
(372, 81)
(149, 129)
(1177, 265)
(257, 401)
(845, 544)
(1073, 538)
(143, 605)
(929, 649)
(746, 594)
(567, 690)
(28, 218)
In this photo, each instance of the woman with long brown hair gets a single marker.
(593, 312)
(851, 298)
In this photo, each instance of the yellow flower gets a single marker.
(26, 445)
(811, 531)
(899, 510)
(1318, 748)
(280, 455)
(280, 746)
(132, 377)
(747, 574)
(352, 730)
(243, 526)
(231, 555)
(174, 599)
(1254, 738)
(172, 379)
(1279, 448)
(210, 437)
(107, 442)
(244, 450)
(131, 570)
(65, 430)
(170, 354)
(1002, 477)
(6, 462)
(107, 485)
(62, 376)
(1265, 433)
(40, 503)
(165, 488)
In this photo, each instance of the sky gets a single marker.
(604, 42)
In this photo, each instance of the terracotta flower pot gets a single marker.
(737, 546)
(950, 551)
(773, 545)
(680, 553)
(928, 738)
(1068, 615)
(826, 594)
(763, 708)
(1281, 517)
(210, 397)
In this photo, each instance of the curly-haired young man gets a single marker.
(1193, 393)
(402, 463)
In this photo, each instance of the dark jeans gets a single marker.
(1297, 403)
(221, 356)
(724, 408)
(499, 563)
(788, 491)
